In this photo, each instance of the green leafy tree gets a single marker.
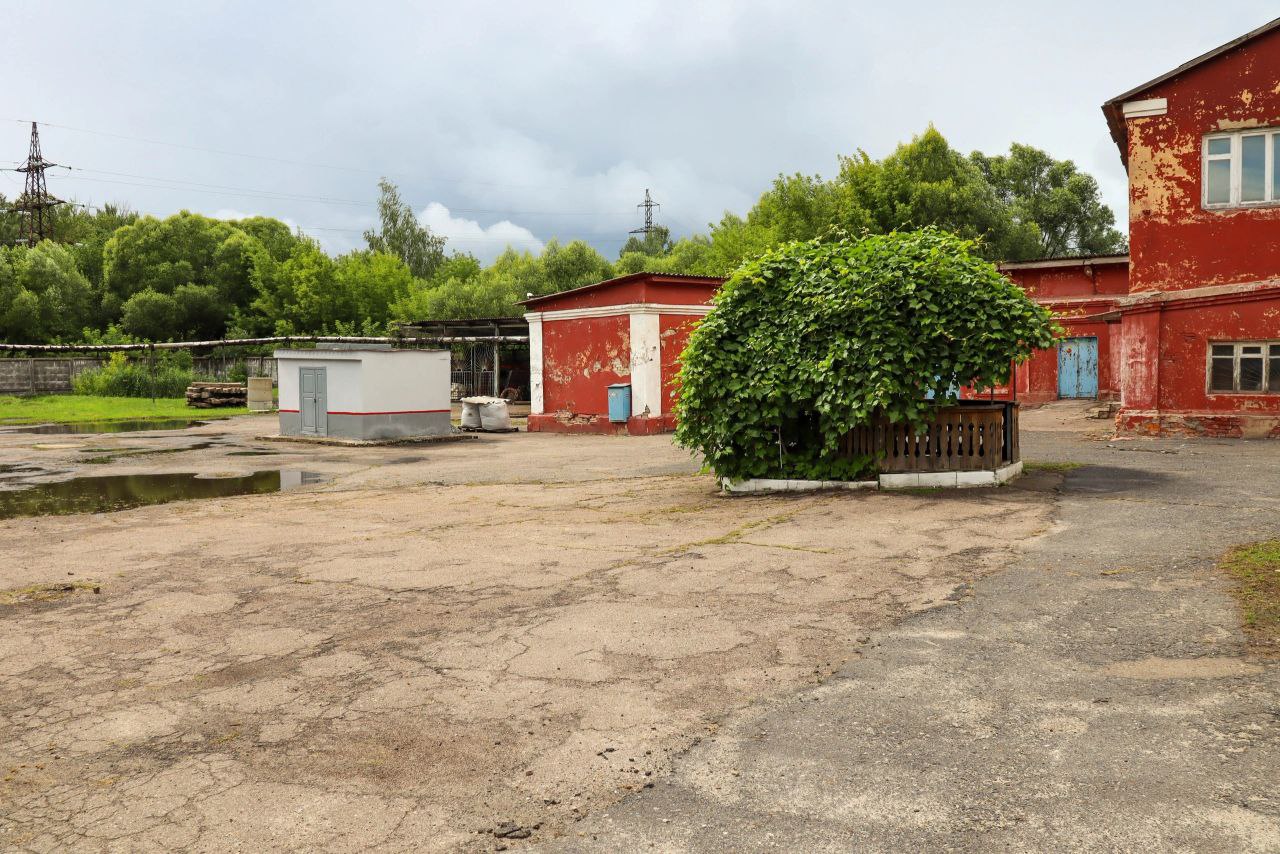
(463, 290)
(817, 337)
(312, 293)
(796, 207)
(184, 249)
(694, 255)
(927, 182)
(402, 235)
(43, 295)
(85, 232)
(1060, 199)
(10, 222)
(201, 313)
(572, 265)
(368, 284)
(151, 315)
(654, 243)
(275, 236)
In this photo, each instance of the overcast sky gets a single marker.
(518, 122)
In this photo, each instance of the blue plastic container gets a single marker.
(619, 402)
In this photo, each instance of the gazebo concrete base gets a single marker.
(907, 480)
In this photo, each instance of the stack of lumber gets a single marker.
(211, 395)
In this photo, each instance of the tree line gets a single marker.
(110, 274)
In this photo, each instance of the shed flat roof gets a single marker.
(346, 355)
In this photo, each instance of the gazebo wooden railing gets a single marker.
(966, 436)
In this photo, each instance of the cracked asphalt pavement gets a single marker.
(448, 647)
(1096, 695)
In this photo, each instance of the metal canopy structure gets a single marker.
(499, 367)
(500, 328)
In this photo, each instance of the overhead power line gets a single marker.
(188, 186)
(183, 185)
(271, 159)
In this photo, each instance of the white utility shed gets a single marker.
(364, 393)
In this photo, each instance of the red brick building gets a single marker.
(1186, 335)
(626, 330)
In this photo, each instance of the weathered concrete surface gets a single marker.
(1095, 696)
(515, 629)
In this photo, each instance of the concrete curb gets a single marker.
(910, 480)
(762, 485)
(369, 443)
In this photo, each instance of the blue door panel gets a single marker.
(1078, 367)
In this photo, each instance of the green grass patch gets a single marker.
(1255, 568)
(77, 408)
(1059, 467)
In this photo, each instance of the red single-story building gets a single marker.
(627, 330)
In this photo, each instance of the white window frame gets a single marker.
(1268, 346)
(1270, 197)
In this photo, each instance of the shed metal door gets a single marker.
(1078, 367)
(314, 407)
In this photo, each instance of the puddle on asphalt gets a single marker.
(121, 492)
(256, 452)
(107, 426)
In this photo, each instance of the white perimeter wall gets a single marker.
(361, 381)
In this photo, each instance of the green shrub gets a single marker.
(815, 338)
(121, 377)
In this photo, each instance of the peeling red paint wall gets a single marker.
(581, 358)
(1176, 243)
(1101, 279)
(583, 355)
(674, 331)
(1186, 334)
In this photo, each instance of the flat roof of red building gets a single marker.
(657, 278)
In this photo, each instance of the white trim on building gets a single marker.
(535, 364)
(646, 364)
(1142, 109)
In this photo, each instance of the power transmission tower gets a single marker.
(35, 200)
(648, 204)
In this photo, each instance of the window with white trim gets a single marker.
(1249, 367)
(1242, 169)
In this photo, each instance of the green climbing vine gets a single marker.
(814, 338)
